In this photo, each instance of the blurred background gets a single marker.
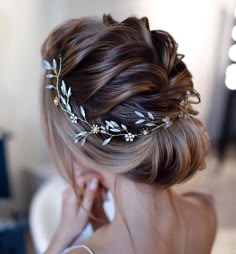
(206, 33)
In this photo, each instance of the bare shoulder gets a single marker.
(203, 207)
(205, 202)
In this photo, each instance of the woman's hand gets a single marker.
(74, 215)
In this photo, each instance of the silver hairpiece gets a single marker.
(110, 128)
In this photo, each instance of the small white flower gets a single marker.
(182, 103)
(145, 132)
(95, 128)
(73, 118)
(167, 121)
(129, 137)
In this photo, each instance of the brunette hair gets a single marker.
(113, 69)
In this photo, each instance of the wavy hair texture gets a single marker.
(115, 68)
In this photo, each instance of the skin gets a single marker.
(160, 221)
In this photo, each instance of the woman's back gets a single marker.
(201, 222)
(195, 233)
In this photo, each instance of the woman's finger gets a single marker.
(82, 180)
(69, 197)
(88, 200)
(104, 194)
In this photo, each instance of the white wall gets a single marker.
(203, 30)
(24, 24)
(21, 30)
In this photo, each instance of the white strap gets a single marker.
(77, 247)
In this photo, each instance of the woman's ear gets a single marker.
(83, 174)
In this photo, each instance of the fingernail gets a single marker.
(93, 184)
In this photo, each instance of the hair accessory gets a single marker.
(110, 128)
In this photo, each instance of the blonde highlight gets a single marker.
(115, 68)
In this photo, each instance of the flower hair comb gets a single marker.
(109, 128)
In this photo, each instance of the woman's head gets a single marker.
(113, 69)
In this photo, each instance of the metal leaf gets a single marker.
(76, 140)
(54, 64)
(106, 141)
(63, 100)
(114, 123)
(140, 121)
(115, 130)
(63, 87)
(103, 131)
(102, 127)
(150, 124)
(68, 107)
(139, 113)
(124, 126)
(150, 115)
(50, 86)
(109, 124)
(81, 134)
(69, 92)
(82, 111)
(83, 141)
(50, 76)
(168, 124)
(46, 65)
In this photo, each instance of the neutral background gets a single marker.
(202, 29)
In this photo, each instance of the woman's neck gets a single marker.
(135, 202)
(145, 214)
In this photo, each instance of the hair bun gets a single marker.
(116, 68)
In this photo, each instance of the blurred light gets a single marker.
(231, 70)
(230, 73)
(232, 52)
(230, 82)
(234, 33)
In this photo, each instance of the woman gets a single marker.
(118, 115)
